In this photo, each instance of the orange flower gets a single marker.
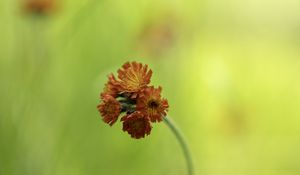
(131, 95)
(110, 109)
(136, 125)
(134, 77)
(152, 105)
(111, 87)
(39, 6)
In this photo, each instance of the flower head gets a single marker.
(40, 7)
(110, 109)
(152, 105)
(129, 94)
(111, 87)
(134, 77)
(136, 125)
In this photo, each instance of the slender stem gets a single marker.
(183, 144)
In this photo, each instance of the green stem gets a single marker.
(183, 144)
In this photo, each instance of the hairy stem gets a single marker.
(183, 144)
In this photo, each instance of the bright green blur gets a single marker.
(230, 70)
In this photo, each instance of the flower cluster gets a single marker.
(130, 94)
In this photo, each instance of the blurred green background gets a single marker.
(230, 70)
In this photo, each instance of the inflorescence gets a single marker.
(130, 94)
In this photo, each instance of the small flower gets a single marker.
(134, 77)
(136, 125)
(152, 105)
(111, 87)
(40, 7)
(110, 109)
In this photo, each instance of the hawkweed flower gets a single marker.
(110, 109)
(136, 124)
(140, 104)
(152, 104)
(131, 96)
(111, 87)
(134, 77)
(39, 7)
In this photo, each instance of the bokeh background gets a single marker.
(230, 70)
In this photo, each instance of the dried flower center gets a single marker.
(153, 104)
